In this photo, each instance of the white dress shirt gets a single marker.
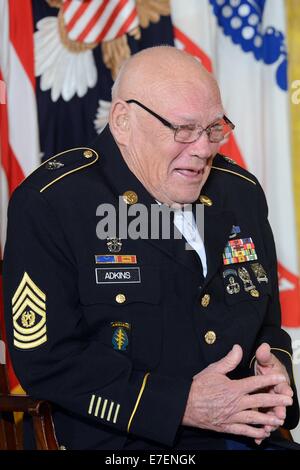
(185, 222)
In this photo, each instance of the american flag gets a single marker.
(18, 111)
(99, 20)
(244, 42)
(40, 117)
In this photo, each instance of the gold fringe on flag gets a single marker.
(293, 23)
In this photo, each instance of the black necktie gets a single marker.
(188, 256)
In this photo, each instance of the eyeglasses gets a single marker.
(186, 134)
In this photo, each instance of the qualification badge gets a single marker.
(114, 245)
(233, 287)
(248, 284)
(259, 272)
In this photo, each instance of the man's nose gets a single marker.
(202, 147)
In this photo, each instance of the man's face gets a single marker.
(174, 172)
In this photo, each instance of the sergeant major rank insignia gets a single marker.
(120, 337)
(29, 315)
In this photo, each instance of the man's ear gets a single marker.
(119, 122)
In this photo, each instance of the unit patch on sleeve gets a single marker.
(29, 315)
(120, 337)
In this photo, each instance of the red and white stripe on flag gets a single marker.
(99, 20)
(18, 111)
(253, 100)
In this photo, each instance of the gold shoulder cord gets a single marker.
(234, 173)
(71, 171)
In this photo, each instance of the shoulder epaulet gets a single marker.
(61, 165)
(227, 165)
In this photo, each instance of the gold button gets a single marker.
(205, 300)
(88, 154)
(210, 337)
(254, 293)
(130, 197)
(120, 298)
(205, 200)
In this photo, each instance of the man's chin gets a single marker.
(181, 200)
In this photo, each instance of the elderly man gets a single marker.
(138, 342)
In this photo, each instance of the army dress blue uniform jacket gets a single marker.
(117, 358)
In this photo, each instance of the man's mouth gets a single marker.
(190, 173)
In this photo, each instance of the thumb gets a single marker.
(263, 355)
(230, 361)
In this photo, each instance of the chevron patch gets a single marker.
(29, 315)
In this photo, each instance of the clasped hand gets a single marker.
(220, 404)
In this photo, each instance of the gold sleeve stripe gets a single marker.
(234, 173)
(27, 280)
(110, 411)
(116, 413)
(28, 303)
(97, 406)
(32, 295)
(71, 171)
(31, 330)
(103, 408)
(91, 404)
(274, 349)
(138, 400)
(28, 338)
(283, 350)
(32, 345)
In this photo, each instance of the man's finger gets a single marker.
(246, 430)
(255, 417)
(284, 389)
(263, 355)
(229, 362)
(264, 400)
(258, 382)
(280, 412)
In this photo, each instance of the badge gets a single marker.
(245, 277)
(120, 339)
(233, 287)
(259, 272)
(115, 259)
(29, 315)
(235, 229)
(118, 275)
(228, 272)
(239, 251)
(53, 165)
(229, 160)
(114, 245)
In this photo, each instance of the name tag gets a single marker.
(117, 275)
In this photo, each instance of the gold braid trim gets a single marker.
(54, 3)
(72, 46)
(150, 11)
